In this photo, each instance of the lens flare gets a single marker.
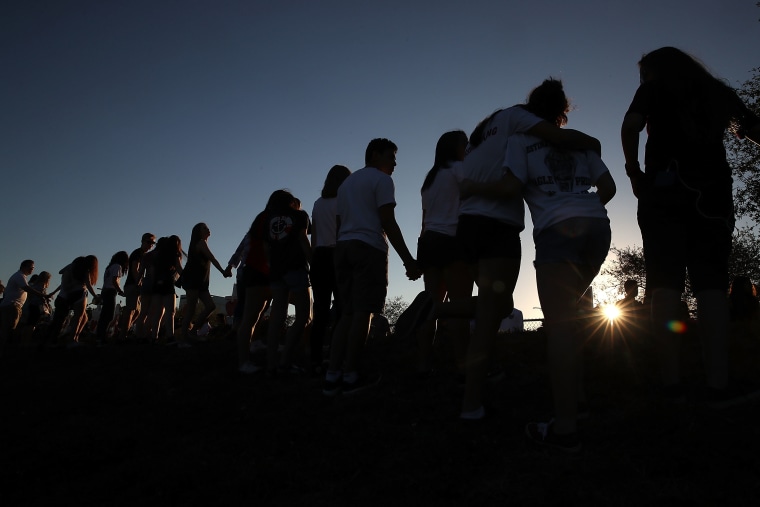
(676, 326)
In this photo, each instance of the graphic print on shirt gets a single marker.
(280, 227)
(562, 165)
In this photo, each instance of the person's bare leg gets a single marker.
(302, 303)
(357, 337)
(496, 281)
(277, 315)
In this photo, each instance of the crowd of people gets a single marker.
(472, 217)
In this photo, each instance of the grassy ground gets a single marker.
(129, 424)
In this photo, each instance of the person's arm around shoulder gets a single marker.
(396, 238)
(565, 138)
(509, 186)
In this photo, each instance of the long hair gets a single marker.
(280, 201)
(195, 237)
(168, 250)
(703, 100)
(478, 133)
(335, 177)
(121, 258)
(549, 102)
(447, 150)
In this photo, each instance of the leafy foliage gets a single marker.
(744, 157)
(393, 308)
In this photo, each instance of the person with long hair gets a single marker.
(255, 286)
(572, 236)
(685, 206)
(195, 280)
(166, 268)
(323, 238)
(490, 229)
(115, 270)
(77, 280)
(288, 250)
(440, 255)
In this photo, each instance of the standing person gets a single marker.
(440, 255)
(323, 238)
(38, 307)
(490, 229)
(166, 268)
(367, 221)
(132, 285)
(288, 250)
(237, 261)
(13, 303)
(255, 285)
(572, 235)
(195, 280)
(685, 207)
(111, 288)
(77, 279)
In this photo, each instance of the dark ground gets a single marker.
(154, 425)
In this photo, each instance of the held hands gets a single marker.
(227, 272)
(413, 272)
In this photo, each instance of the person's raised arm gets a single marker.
(393, 232)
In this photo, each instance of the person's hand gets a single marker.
(413, 271)
(228, 272)
(636, 183)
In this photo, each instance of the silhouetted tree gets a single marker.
(393, 308)
(744, 157)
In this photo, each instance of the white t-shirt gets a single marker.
(485, 163)
(323, 221)
(359, 198)
(112, 271)
(440, 201)
(15, 290)
(557, 182)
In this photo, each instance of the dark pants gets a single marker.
(108, 297)
(324, 288)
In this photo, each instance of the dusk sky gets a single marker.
(119, 118)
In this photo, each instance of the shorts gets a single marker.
(581, 241)
(297, 279)
(254, 278)
(685, 240)
(488, 238)
(361, 274)
(437, 250)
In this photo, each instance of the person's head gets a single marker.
(33, 279)
(449, 148)
(701, 97)
(148, 240)
(280, 201)
(121, 258)
(44, 279)
(27, 267)
(549, 102)
(174, 243)
(335, 177)
(91, 268)
(381, 154)
(200, 232)
(631, 287)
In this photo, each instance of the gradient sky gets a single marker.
(119, 118)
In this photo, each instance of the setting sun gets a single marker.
(612, 312)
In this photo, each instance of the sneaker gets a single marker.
(249, 368)
(183, 345)
(360, 384)
(257, 345)
(542, 434)
(418, 312)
